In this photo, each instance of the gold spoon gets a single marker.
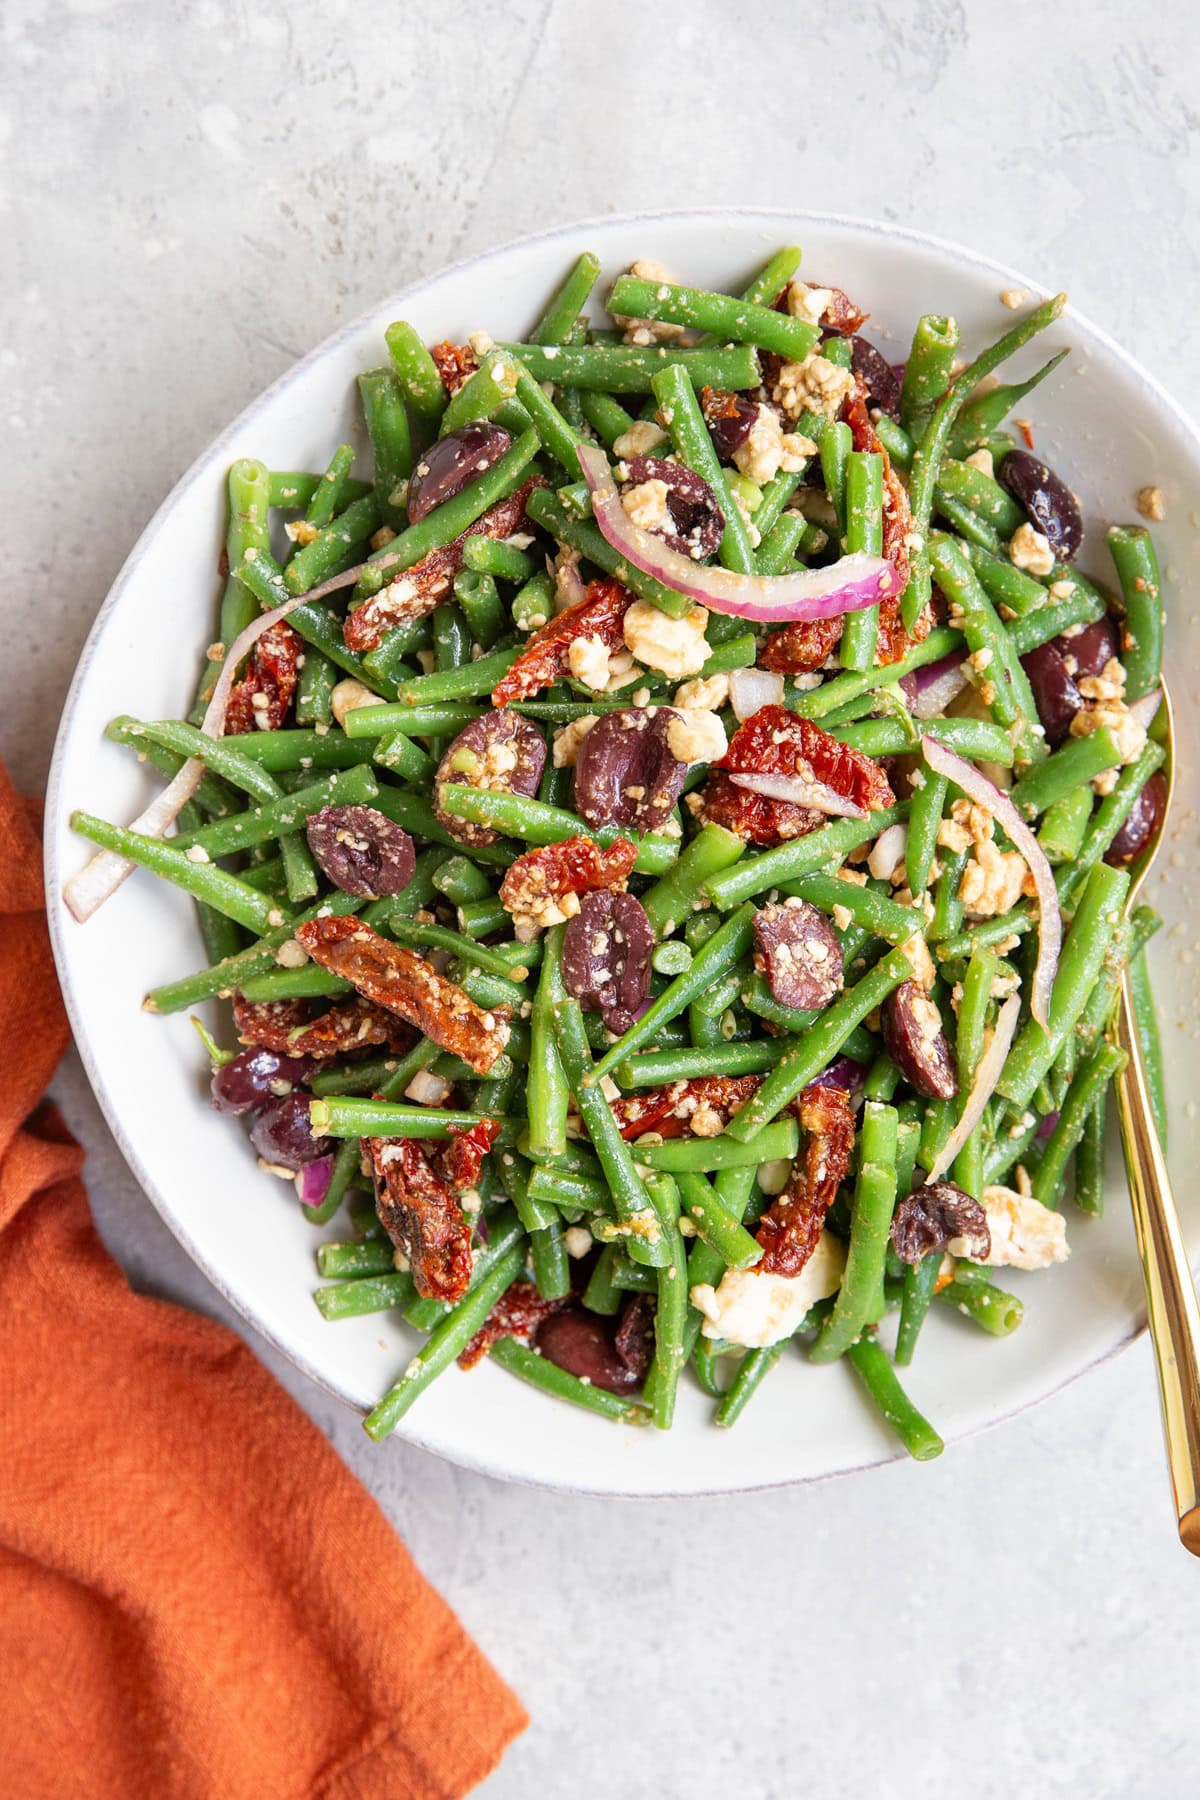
(1171, 1305)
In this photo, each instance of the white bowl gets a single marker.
(1108, 428)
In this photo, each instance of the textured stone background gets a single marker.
(192, 195)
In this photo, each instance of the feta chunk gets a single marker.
(757, 1309)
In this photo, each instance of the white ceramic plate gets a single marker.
(1107, 427)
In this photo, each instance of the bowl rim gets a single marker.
(792, 221)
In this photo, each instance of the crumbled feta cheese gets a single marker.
(642, 437)
(756, 1309)
(348, 696)
(1013, 298)
(992, 881)
(196, 853)
(291, 955)
(696, 736)
(569, 738)
(1108, 707)
(982, 460)
(809, 303)
(427, 1089)
(1025, 1234)
(916, 953)
(577, 1240)
(1108, 685)
(676, 647)
(300, 531)
(709, 695)
(1151, 503)
(1030, 550)
(587, 659)
(647, 505)
(773, 1176)
(814, 385)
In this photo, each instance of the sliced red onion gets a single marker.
(936, 685)
(800, 793)
(991, 1066)
(752, 689)
(86, 892)
(847, 586)
(977, 787)
(843, 1072)
(1046, 1128)
(312, 1181)
(1145, 710)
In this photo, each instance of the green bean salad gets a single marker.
(665, 834)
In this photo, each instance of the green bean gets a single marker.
(1112, 813)
(448, 1338)
(515, 1178)
(386, 415)
(247, 536)
(724, 948)
(338, 1261)
(1141, 589)
(870, 1363)
(213, 797)
(646, 1242)
(518, 816)
(704, 1155)
(314, 689)
(947, 905)
(568, 302)
(920, 1280)
(518, 1359)
(1089, 1162)
(602, 1294)
(997, 1312)
(306, 983)
(226, 977)
(874, 1201)
(481, 605)
(813, 1052)
(731, 320)
(225, 893)
(773, 277)
(671, 1311)
(885, 918)
(274, 818)
(579, 534)
(558, 1187)
(930, 451)
(826, 847)
(928, 370)
(353, 1078)
(924, 822)
(287, 751)
(689, 434)
(548, 1091)
(1082, 607)
(752, 1372)
(451, 519)
(534, 604)
(981, 417)
(720, 1228)
(1035, 1049)
(1145, 1020)
(1065, 822)
(629, 369)
(494, 557)
(459, 881)
(1012, 590)
(778, 546)
(835, 444)
(330, 495)
(864, 532)
(969, 1043)
(548, 1261)
(369, 1294)
(1006, 687)
(1078, 762)
(671, 900)
(1089, 1084)
(820, 702)
(557, 437)
(418, 376)
(981, 494)
(488, 393)
(295, 490)
(327, 552)
(653, 1068)
(989, 931)
(347, 1117)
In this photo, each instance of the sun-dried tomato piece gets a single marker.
(774, 741)
(802, 647)
(404, 983)
(417, 591)
(454, 363)
(543, 661)
(260, 700)
(702, 1107)
(465, 1149)
(422, 1216)
(789, 1232)
(542, 887)
(291, 1027)
(517, 1313)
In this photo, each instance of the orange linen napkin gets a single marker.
(196, 1596)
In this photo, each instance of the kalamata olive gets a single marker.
(606, 956)
(361, 850)
(797, 949)
(634, 1340)
(255, 1077)
(1054, 690)
(1144, 819)
(730, 418)
(694, 524)
(934, 1216)
(453, 463)
(883, 388)
(281, 1135)
(583, 1344)
(499, 750)
(1048, 501)
(625, 773)
(916, 1043)
(1088, 650)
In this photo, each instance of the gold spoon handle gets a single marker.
(1171, 1305)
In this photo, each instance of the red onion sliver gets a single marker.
(752, 689)
(1146, 708)
(312, 1181)
(991, 1066)
(977, 787)
(86, 892)
(936, 685)
(800, 793)
(850, 585)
